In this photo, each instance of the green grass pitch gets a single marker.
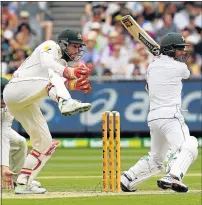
(74, 177)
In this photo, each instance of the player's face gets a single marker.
(75, 50)
(182, 55)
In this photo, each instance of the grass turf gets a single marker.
(80, 170)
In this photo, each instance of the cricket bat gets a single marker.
(140, 35)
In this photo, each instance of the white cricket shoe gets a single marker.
(125, 183)
(36, 183)
(71, 107)
(169, 182)
(28, 189)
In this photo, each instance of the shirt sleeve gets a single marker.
(49, 55)
(184, 71)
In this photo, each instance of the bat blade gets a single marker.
(140, 35)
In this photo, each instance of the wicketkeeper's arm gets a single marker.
(82, 84)
(49, 56)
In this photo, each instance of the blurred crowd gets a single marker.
(110, 51)
(24, 25)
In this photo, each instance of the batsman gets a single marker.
(168, 130)
(45, 73)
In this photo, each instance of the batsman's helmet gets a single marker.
(172, 42)
(69, 36)
(4, 82)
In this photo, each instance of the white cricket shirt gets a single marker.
(36, 66)
(164, 78)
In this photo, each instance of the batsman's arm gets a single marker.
(184, 71)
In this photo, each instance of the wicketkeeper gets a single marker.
(42, 74)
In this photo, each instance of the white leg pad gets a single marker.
(186, 157)
(145, 168)
(42, 159)
(170, 159)
(34, 163)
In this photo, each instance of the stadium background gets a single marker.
(118, 63)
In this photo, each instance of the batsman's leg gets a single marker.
(149, 165)
(185, 151)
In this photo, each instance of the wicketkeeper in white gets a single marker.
(42, 74)
(14, 147)
(167, 127)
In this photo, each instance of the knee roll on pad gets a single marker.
(191, 144)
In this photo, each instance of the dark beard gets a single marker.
(66, 57)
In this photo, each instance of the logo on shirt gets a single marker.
(47, 48)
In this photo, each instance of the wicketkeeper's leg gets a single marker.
(36, 126)
(42, 158)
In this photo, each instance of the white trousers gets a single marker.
(167, 130)
(18, 151)
(23, 101)
(14, 149)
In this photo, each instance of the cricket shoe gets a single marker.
(169, 182)
(28, 189)
(71, 107)
(125, 181)
(34, 182)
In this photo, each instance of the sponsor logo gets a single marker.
(127, 22)
(47, 48)
(154, 50)
(133, 107)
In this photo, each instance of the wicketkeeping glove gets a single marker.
(82, 84)
(76, 72)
